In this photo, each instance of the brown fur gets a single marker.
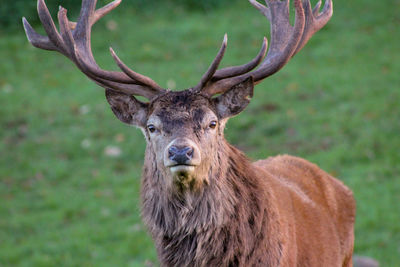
(282, 211)
(204, 202)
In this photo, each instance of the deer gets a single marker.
(203, 201)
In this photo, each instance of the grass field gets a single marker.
(70, 171)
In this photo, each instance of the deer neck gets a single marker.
(228, 213)
(214, 204)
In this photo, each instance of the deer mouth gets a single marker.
(182, 172)
(182, 168)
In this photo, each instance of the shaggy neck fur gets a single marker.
(225, 223)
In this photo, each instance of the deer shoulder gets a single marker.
(320, 208)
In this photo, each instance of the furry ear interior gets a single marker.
(235, 100)
(127, 108)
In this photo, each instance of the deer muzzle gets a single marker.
(182, 155)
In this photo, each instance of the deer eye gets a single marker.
(151, 128)
(213, 124)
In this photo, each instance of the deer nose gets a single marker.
(181, 155)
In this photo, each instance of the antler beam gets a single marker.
(73, 41)
(286, 41)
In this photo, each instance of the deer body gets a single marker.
(266, 218)
(203, 201)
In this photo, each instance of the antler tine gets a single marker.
(213, 74)
(66, 33)
(314, 20)
(89, 66)
(82, 32)
(52, 41)
(79, 49)
(73, 41)
(79, 41)
(286, 40)
(130, 89)
(50, 27)
(36, 39)
(239, 70)
(84, 55)
(317, 8)
(214, 65)
(263, 9)
(283, 45)
(134, 75)
(101, 12)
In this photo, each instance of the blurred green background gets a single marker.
(70, 171)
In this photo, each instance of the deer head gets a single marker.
(183, 130)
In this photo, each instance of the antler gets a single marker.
(286, 41)
(73, 41)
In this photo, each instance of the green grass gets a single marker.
(64, 202)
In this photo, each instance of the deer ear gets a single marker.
(127, 108)
(235, 100)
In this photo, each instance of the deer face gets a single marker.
(183, 129)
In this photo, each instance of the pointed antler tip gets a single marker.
(113, 54)
(115, 3)
(264, 47)
(265, 44)
(28, 29)
(62, 9)
(41, 6)
(225, 38)
(26, 24)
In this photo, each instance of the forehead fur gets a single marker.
(176, 109)
(180, 102)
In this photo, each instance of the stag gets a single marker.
(203, 201)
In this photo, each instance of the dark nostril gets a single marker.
(189, 153)
(172, 151)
